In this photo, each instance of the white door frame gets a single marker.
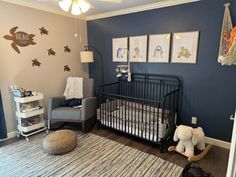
(231, 171)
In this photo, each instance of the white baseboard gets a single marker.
(9, 136)
(2, 140)
(209, 140)
(219, 143)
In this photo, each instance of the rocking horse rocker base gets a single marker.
(194, 157)
(190, 139)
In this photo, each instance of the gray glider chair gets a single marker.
(85, 115)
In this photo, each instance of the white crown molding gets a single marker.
(161, 4)
(40, 7)
(141, 8)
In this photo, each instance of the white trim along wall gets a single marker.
(157, 5)
(219, 143)
(213, 141)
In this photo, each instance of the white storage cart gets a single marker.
(29, 121)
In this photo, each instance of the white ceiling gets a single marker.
(100, 9)
(98, 6)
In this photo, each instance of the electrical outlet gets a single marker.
(194, 120)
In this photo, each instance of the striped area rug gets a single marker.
(95, 156)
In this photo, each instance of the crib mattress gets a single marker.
(143, 131)
(140, 120)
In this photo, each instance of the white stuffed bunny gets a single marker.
(188, 138)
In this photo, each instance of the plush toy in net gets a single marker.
(227, 50)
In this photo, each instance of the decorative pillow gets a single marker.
(65, 103)
(75, 102)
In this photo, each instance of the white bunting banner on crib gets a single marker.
(227, 50)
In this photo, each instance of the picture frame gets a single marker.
(119, 49)
(138, 48)
(185, 47)
(159, 48)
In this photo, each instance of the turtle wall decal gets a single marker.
(19, 39)
(35, 62)
(43, 31)
(51, 52)
(67, 49)
(67, 68)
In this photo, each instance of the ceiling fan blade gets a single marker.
(112, 1)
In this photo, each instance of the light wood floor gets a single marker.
(214, 162)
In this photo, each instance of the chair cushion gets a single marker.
(63, 113)
(60, 142)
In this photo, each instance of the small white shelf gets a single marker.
(32, 127)
(27, 131)
(37, 97)
(30, 113)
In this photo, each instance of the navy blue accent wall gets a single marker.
(209, 90)
(3, 131)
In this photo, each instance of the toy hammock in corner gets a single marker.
(227, 51)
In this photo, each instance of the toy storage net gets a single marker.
(227, 50)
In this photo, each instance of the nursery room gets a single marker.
(118, 88)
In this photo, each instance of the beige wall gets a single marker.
(17, 68)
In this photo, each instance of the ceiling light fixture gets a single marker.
(77, 6)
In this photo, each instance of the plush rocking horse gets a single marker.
(189, 138)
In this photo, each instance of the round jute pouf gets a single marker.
(60, 142)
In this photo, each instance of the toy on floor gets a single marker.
(188, 138)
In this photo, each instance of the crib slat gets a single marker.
(139, 118)
(142, 122)
(132, 118)
(120, 106)
(135, 114)
(149, 131)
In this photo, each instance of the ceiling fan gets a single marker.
(79, 6)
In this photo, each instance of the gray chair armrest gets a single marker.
(53, 102)
(88, 109)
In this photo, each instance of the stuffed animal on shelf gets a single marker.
(188, 137)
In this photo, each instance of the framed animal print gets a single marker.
(119, 49)
(185, 47)
(159, 48)
(138, 48)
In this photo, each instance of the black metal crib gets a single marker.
(146, 107)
